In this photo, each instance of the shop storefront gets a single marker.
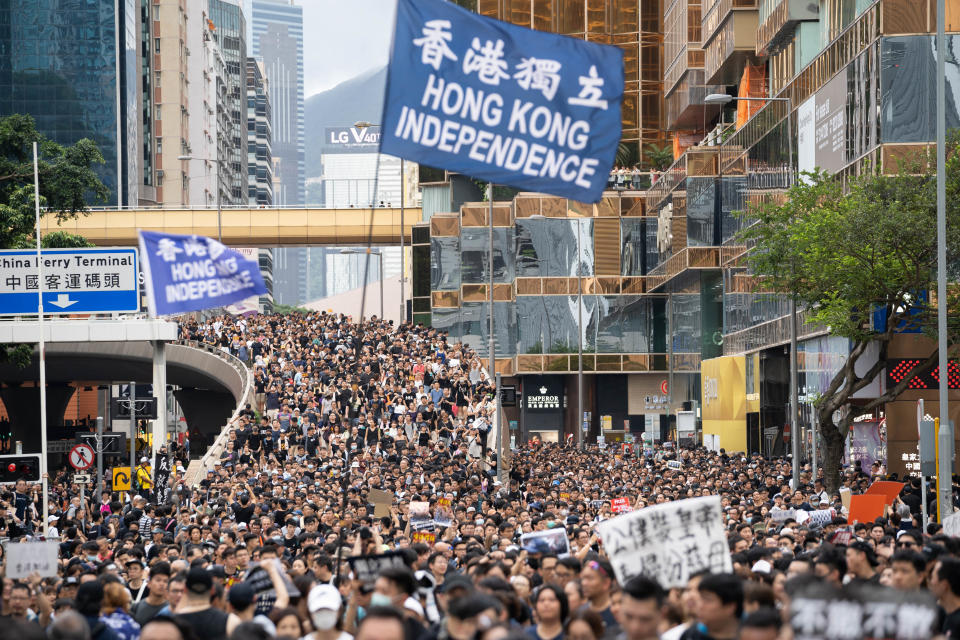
(542, 409)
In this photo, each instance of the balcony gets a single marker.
(782, 19)
(684, 103)
(732, 46)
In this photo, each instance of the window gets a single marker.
(156, 79)
(159, 146)
(156, 45)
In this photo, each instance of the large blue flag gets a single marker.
(509, 105)
(190, 273)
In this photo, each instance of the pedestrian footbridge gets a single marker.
(246, 226)
(212, 386)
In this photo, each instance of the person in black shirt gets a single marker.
(207, 622)
(312, 441)
(243, 508)
(945, 585)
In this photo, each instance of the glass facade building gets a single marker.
(62, 63)
(636, 27)
(277, 30)
(259, 137)
(652, 286)
(230, 33)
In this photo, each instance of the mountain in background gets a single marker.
(360, 98)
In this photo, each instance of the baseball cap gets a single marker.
(241, 596)
(456, 581)
(323, 596)
(199, 581)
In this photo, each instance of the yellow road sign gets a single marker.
(121, 478)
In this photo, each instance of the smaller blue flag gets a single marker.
(190, 273)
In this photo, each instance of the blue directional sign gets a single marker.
(101, 280)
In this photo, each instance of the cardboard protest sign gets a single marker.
(668, 541)
(856, 612)
(367, 568)
(866, 508)
(381, 501)
(620, 505)
(443, 514)
(886, 488)
(549, 541)
(845, 495)
(27, 558)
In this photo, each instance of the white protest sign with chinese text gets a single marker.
(26, 558)
(669, 542)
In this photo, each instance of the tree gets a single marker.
(626, 155)
(660, 157)
(67, 183)
(848, 251)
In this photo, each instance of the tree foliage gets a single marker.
(660, 157)
(68, 183)
(847, 252)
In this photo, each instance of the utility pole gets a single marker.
(100, 454)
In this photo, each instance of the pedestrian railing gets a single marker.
(197, 469)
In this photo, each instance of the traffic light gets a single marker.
(20, 467)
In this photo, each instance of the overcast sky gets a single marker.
(343, 38)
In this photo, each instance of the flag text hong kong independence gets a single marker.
(190, 273)
(502, 103)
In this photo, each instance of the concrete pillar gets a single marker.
(23, 407)
(160, 393)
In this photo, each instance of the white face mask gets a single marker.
(324, 619)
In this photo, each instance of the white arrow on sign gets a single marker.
(63, 301)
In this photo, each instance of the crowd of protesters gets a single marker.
(261, 547)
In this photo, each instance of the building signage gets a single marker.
(74, 281)
(655, 402)
(543, 393)
(543, 399)
(352, 139)
(822, 128)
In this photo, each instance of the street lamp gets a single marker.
(363, 124)
(219, 212)
(379, 254)
(722, 98)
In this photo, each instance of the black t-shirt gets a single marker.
(951, 625)
(243, 513)
(209, 624)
